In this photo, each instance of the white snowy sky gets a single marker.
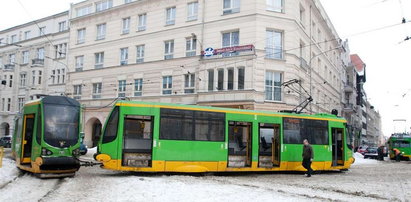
(387, 60)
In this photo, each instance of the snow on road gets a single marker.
(367, 180)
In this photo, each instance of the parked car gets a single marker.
(371, 152)
(5, 142)
(362, 149)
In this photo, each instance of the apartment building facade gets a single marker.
(225, 53)
(32, 62)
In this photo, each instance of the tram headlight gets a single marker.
(76, 152)
(46, 152)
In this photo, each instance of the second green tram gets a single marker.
(403, 143)
(158, 137)
(47, 139)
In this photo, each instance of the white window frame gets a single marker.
(272, 75)
(191, 46)
(167, 87)
(27, 35)
(97, 87)
(77, 91)
(81, 35)
(26, 57)
(42, 31)
(171, 15)
(99, 60)
(83, 11)
(192, 11)
(61, 50)
(79, 63)
(13, 38)
(123, 56)
(104, 5)
(231, 37)
(122, 88)
(101, 31)
(189, 83)
(62, 26)
(21, 102)
(138, 87)
(126, 25)
(274, 46)
(140, 53)
(23, 79)
(40, 53)
(275, 5)
(142, 22)
(168, 49)
(232, 7)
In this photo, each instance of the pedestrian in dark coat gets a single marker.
(380, 151)
(308, 155)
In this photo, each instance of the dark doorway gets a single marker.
(96, 132)
(239, 144)
(27, 139)
(337, 146)
(269, 145)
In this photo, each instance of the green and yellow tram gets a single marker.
(402, 142)
(46, 140)
(158, 137)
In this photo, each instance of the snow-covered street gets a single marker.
(367, 180)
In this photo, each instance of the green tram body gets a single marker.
(46, 140)
(403, 143)
(159, 137)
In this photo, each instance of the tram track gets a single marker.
(56, 186)
(21, 174)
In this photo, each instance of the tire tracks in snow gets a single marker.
(21, 174)
(53, 189)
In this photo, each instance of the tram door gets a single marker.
(239, 144)
(269, 149)
(337, 147)
(27, 139)
(137, 141)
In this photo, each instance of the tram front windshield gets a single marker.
(61, 125)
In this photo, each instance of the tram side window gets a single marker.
(137, 132)
(401, 144)
(110, 133)
(191, 125)
(296, 130)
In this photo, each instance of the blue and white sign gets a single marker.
(208, 52)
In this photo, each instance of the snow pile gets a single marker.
(359, 159)
(8, 172)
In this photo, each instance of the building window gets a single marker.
(40, 53)
(231, 39)
(10, 81)
(99, 60)
(191, 46)
(104, 5)
(241, 78)
(12, 59)
(79, 63)
(81, 34)
(128, 1)
(126, 25)
(33, 77)
(274, 44)
(140, 53)
(273, 81)
(83, 11)
(189, 83)
(192, 11)
(302, 15)
(26, 57)
(63, 76)
(77, 92)
(14, 38)
(275, 5)
(210, 79)
(231, 6)
(220, 81)
(62, 26)
(8, 104)
(3, 103)
(42, 31)
(27, 35)
(167, 85)
(39, 80)
(58, 76)
(53, 76)
(124, 56)
(101, 31)
(142, 22)
(171, 16)
(23, 79)
(168, 49)
(61, 50)
(1, 62)
(122, 88)
(138, 87)
(230, 79)
(97, 90)
(21, 103)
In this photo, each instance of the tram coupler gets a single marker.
(89, 164)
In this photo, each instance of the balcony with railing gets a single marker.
(9, 67)
(37, 62)
(349, 107)
(349, 87)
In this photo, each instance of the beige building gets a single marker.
(32, 62)
(228, 53)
